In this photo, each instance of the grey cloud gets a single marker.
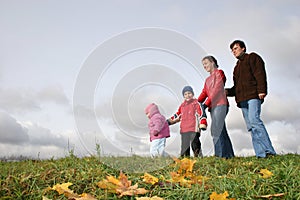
(53, 94)
(18, 100)
(44, 137)
(12, 132)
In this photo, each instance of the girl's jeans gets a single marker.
(222, 143)
(260, 138)
(157, 147)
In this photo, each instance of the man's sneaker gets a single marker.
(203, 124)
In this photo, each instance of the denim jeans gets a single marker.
(260, 138)
(157, 147)
(222, 144)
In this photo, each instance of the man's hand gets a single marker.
(262, 95)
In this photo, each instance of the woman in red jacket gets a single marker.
(213, 96)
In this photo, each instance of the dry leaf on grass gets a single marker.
(265, 173)
(216, 196)
(269, 196)
(121, 186)
(149, 198)
(64, 189)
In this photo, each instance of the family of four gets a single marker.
(249, 90)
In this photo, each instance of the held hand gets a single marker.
(171, 121)
(262, 95)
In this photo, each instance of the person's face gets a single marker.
(208, 65)
(188, 95)
(148, 114)
(237, 50)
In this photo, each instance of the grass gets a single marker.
(28, 179)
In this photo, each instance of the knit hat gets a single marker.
(187, 89)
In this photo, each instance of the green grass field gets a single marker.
(240, 177)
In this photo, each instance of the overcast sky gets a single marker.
(76, 74)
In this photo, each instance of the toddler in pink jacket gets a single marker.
(158, 130)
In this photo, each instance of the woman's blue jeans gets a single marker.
(260, 138)
(222, 143)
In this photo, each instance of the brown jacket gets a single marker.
(249, 78)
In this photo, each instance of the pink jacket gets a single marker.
(158, 126)
(190, 114)
(213, 91)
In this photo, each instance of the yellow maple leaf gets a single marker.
(148, 178)
(179, 178)
(84, 196)
(131, 191)
(185, 165)
(64, 189)
(216, 196)
(198, 179)
(149, 198)
(265, 173)
(121, 186)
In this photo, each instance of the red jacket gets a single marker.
(213, 91)
(189, 113)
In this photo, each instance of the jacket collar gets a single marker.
(241, 56)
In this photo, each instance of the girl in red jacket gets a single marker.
(190, 115)
(158, 130)
(214, 97)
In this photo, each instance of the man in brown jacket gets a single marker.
(250, 89)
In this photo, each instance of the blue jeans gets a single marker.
(260, 138)
(157, 147)
(222, 143)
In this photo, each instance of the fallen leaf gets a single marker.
(269, 196)
(185, 165)
(179, 178)
(64, 189)
(121, 186)
(131, 191)
(45, 198)
(83, 196)
(215, 196)
(149, 198)
(265, 173)
(148, 178)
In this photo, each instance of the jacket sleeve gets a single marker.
(230, 92)
(176, 117)
(203, 95)
(199, 112)
(258, 69)
(218, 87)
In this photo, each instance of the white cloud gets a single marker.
(53, 94)
(20, 100)
(285, 137)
